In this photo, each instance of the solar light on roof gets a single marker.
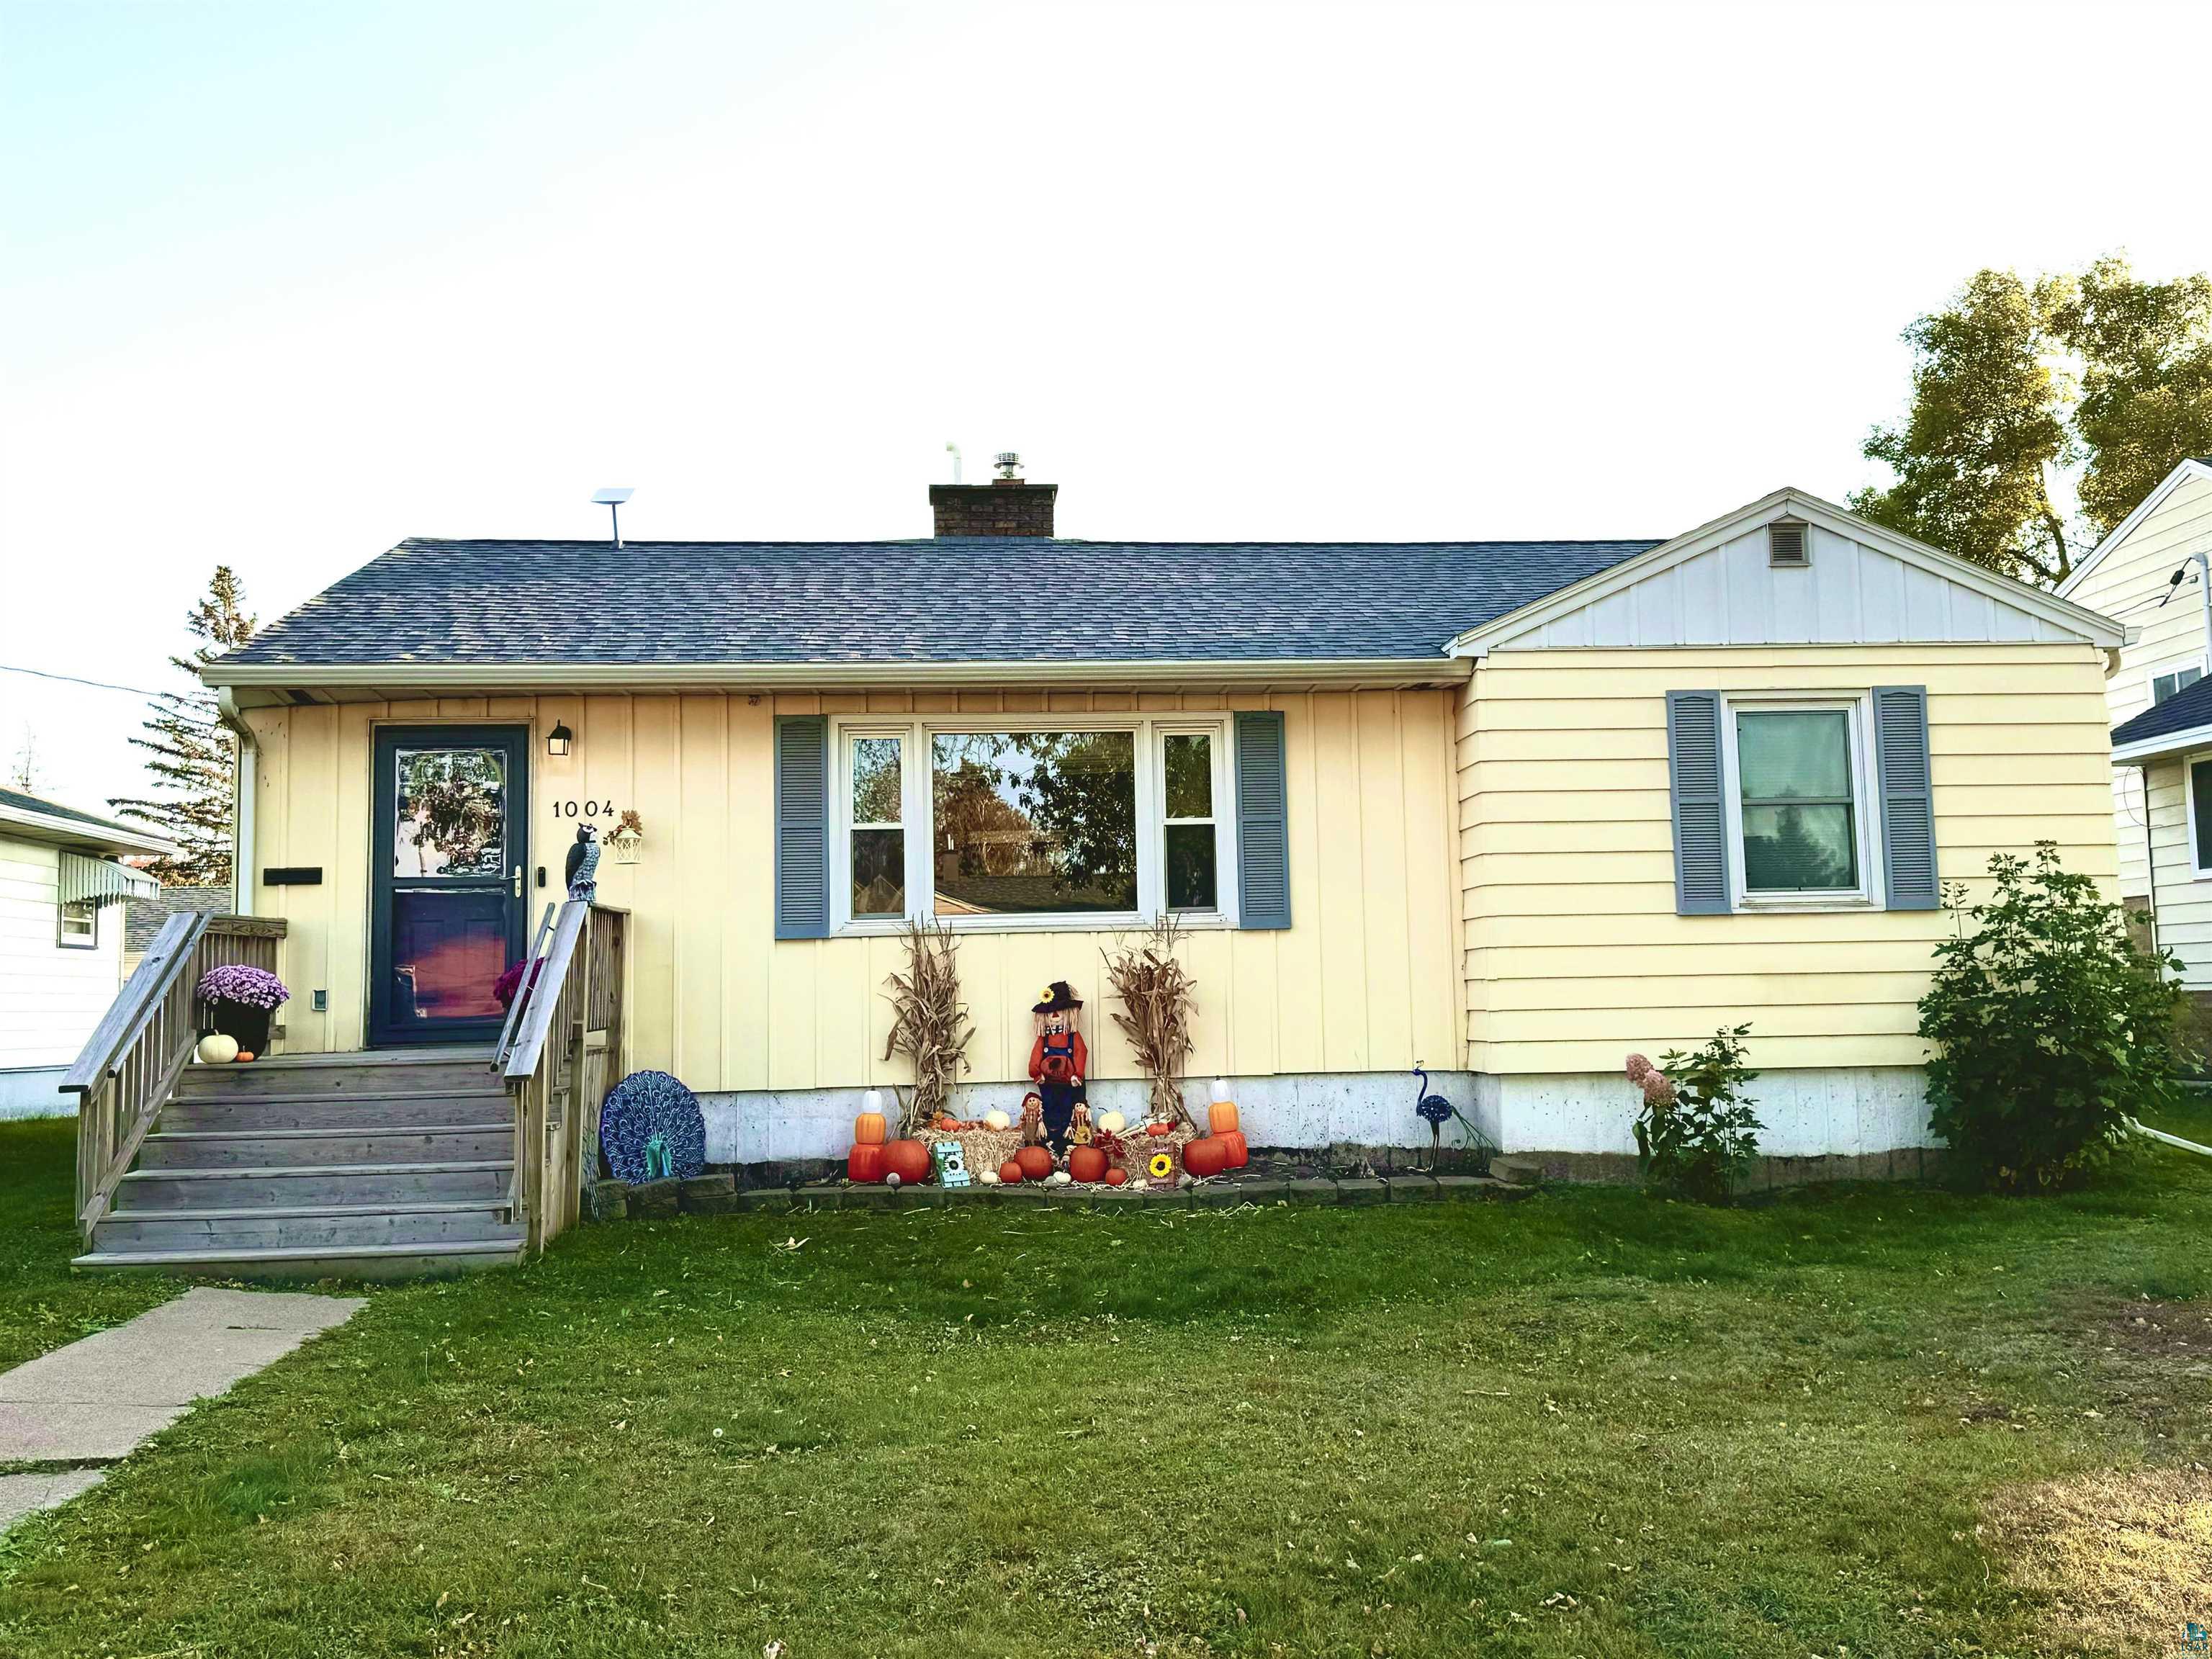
(612, 500)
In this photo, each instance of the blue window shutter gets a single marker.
(1263, 822)
(1908, 804)
(1698, 779)
(802, 826)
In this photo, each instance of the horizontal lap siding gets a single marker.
(1575, 954)
(50, 998)
(1366, 977)
(2128, 583)
(2185, 903)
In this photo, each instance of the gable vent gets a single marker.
(1788, 546)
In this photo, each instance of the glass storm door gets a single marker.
(446, 916)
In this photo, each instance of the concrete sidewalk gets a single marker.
(91, 1402)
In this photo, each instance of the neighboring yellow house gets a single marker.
(1506, 809)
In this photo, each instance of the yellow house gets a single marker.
(1506, 811)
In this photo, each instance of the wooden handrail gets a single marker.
(142, 1045)
(522, 989)
(565, 1048)
(166, 957)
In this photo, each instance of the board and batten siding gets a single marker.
(1730, 594)
(1575, 954)
(1366, 978)
(2128, 582)
(49, 997)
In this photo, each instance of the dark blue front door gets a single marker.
(446, 920)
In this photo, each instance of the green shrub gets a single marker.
(1696, 1135)
(2051, 1029)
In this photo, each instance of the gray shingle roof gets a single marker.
(997, 599)
(2184, 711)
(21, 802)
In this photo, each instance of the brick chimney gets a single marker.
(1007, 506)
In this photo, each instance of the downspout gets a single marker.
(242, 849)
(2150, 852)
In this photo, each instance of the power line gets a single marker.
(103, 685)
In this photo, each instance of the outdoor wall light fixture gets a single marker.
(558, 740)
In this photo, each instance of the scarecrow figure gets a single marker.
(1059, 1061)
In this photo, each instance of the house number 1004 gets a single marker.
(583, 809)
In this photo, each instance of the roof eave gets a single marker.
(2185, 741)
(1377, 672)
(49, 830)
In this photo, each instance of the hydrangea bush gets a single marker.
(250, 988)
(1696, 1135)
(645, 1104)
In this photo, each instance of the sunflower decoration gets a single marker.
(1161, 1166)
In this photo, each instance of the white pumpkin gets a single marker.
(997, 1121)
(1060, 1178)
(988, 1177)
(1113, 1123)
(217, 1049)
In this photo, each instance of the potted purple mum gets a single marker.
(239, 1001)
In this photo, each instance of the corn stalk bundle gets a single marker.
(1158, 995)
(929, 1023)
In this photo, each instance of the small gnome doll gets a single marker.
(1059, 1061)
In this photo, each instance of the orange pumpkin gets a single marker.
(1117, 1175)
(1239, 1154)
(1221, 1117)
(1207, 1157)
(1011, 1173)
(1159, 1128)
(245, 1056)
(870, 1129)
(1035, 1162)
(1086, 1164)
(865, 1163)
(906, 1159)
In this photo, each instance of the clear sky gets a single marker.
(284, 282)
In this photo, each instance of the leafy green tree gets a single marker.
(1974, 456)
(2101, 381)
(2146, 402)
(192, 758)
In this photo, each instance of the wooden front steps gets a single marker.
(354, 1166)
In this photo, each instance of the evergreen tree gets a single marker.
(191, 757)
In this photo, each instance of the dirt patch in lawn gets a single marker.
(2121, 1562)
(2153, 1362)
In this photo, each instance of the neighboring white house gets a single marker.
(2150, 573)
(61, 938)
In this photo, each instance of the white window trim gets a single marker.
(1870, 894)
(2153, 675)
(64, 939)
(2189, 763)
(918, 731)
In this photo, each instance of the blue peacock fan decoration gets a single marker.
(1435, 1111)
(651, 1128)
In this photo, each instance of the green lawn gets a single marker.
(1585, 1423)
(43, 1305)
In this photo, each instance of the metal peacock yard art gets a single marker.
(1437, 1111)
